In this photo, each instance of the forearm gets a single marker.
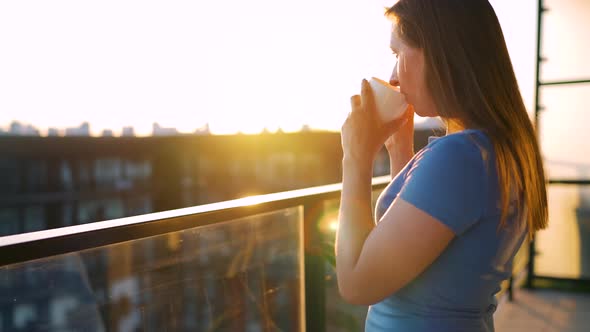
(398, 158)
(355, 218)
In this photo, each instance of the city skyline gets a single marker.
(17, 128)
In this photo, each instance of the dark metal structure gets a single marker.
(533, 279)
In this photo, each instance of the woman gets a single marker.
(450, 222)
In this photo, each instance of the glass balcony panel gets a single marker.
(240, 275)
(340, 316)
(566, 30)
(564, 247)
(564, 131)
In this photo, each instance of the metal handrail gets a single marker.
(28, 246)
(577, 182)
(550, 83)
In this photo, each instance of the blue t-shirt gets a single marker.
(453, 179)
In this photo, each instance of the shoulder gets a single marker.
(469, 141)
(449, 180)
(469, 146)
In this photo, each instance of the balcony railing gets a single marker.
(261, 263)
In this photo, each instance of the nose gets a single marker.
(394, 80)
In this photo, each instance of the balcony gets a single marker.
(261, 263)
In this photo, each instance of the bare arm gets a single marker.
(355, 220)
(400, 145)
(398, 158)
(374, 261)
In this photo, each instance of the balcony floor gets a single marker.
(544, 311)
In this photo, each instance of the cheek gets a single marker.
(401, 74)
(405, 76)
(411, 72)
(417, 63)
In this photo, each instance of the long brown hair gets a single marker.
(471, 79)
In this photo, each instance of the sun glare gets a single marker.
(334, 225)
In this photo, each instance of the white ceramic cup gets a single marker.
(390, 103)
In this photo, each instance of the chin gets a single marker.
(418, 111)
(423, 113)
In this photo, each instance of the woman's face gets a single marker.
(408, 74)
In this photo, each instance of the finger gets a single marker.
(355, 102)
(394, 125)
(402, 119)
(368, 100)
(409, 113)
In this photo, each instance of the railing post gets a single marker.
(531, 264)
(538, 107)
(315, 280)
(511, 288)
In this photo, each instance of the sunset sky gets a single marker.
(237, 65)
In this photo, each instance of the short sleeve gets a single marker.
(447, 181)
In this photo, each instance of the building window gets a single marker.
(8, 221)
(34, 218)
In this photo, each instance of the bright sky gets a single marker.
(238, 65)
